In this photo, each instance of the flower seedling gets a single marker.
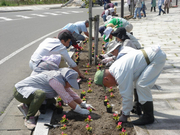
(119, 126)
(106, 100)
(88, 65)
(63, 133)
(86, 73)
(111, 95)
(108, 105)
(89, 84)
(123, 132)
(59, 99)
(103, 52)
(64, 127)
(83, 92)
(98, 68)
(84, 98)
(64, 119)
(59, 105)
(89, 90)
(110, 89)
(88, 128)
(115, 116)
(88, 119)
(89, 80)
(89, 108)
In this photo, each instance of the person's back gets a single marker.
(81, 26)
(44, 49)
(71, 27)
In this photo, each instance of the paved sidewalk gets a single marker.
(152, 30)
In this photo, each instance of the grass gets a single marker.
(29, 2)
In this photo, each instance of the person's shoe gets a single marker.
(164, 12)
(158, 15)
(30, 123)
(134, 18)
(23, 108)
(123, 118)
(43, 108)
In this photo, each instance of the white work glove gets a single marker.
(106, 60)
(79, 110)
(109, 63)
(84, 105)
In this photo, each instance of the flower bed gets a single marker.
(102, 122)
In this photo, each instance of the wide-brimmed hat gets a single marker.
(70, 76)
(102, 29)
(98, 78)
(120, 33)
(112, 46)
(109, 17)
(107, 32)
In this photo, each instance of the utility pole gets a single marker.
(122, 8)
(90, 32)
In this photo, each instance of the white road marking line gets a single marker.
(5, 18)
(26, 17)
(48, 13)
(26, 46)
(77, 11)
(39, 15)
(65, 12)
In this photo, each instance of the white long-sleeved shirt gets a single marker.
(52, 46)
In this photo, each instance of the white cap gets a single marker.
(107, 32)
(109, 17)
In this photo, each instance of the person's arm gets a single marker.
(77, 70)
(87, 34)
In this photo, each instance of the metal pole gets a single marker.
(96, 28)
(132, 7)
(90, 32)
(176, 2)
(122, 8)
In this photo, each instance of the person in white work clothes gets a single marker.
(54, 46)
(141, 66)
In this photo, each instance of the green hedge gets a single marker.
(29, 2)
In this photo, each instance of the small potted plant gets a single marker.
(83, 93)
(115, 117)
(59, 99)
(63, 133)
(86, 73)
(123, 132)
(77, 62)
(106, 100)
(64, 127)
(111, 95)
(88, 119)
(109, 108)
(64, 119)
(119, 126)
(89, 90)
(90, 110)
(89, 84)
(90, 80)
(59, 108)
(110, 89)
(88, 65)
(88, 128)
(84, 98)
(98, 69)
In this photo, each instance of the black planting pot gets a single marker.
(105, 103)
(59, 110)
(82, 95)
(109, 110)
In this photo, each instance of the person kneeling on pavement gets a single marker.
(33, 90)
(141, 66)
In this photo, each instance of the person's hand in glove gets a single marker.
(77, 47)
(108, 59)
(84, 105)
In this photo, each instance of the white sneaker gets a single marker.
(31, 123)
(23, 108)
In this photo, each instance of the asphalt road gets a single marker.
(20, 35)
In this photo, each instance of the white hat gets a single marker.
(109, 17)
(111, 10)
(129, 27)
(112, 45)
(107, 32)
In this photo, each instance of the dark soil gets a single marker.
(103, 122)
